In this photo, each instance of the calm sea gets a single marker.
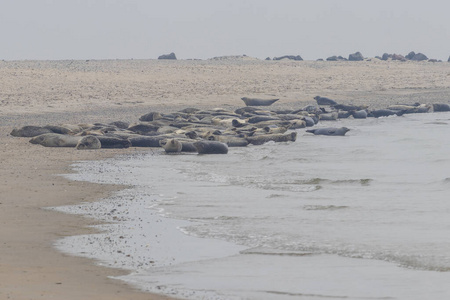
(364, 216)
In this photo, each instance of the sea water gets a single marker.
(364, 216)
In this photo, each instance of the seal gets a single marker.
(56, 140)
(211, 147)
(360, 114)
(264, 138)
(258, 102)
(441, 107)
(258, 119)
(88, 142)
(29, 131)
(385, 113)
(188, 147)
(332, 131)
(350, 107)
(324, 101)
(113, 142)
(64, 129)
(171, 145)
(232, 141)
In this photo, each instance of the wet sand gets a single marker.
(57, 92)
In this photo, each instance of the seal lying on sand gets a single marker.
(385, 113)
(258, 102)
(113, 142)
(329, 131)
(211, 147)
(324, 101)
(88, 142)
(29, 131)
(171, 145)
(264, 138)
(55, 140)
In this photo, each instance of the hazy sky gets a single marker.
(109, 29)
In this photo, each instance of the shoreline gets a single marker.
(31, 267)
(41, 93)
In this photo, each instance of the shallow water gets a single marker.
(363, 216)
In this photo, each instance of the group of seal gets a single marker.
(212, 131)
(189, 130)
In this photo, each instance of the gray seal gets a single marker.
(56, 140)
(211, 147)
(113, 142)
(88, 142)
(332, 131)
(360, 114)
(324, 101)
(384, 113)
(171, 145)
(264, 138)
(29, 131)
(258, 102)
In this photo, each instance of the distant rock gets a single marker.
(448, 59)
(268, 58)
(398, 57)
(410, 55)
(357, 56)
(433, 60)
(336, 58)
(168, 56)
(386, 56)
(419, 57)
(233, 58)
(291, 57)
(321, 59)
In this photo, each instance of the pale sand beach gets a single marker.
(58, 92)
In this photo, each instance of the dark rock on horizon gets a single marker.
(268, 58)
(398, 57)
(386, 56)
(419, 57)
(291, 57)
(410, 55)
(168, 56)
(336, 58)
(357, 56)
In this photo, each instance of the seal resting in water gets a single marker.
(258, 102)
(55, 140)
(329, 131)
(324, 101)
(211, 147)
(88, 142)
